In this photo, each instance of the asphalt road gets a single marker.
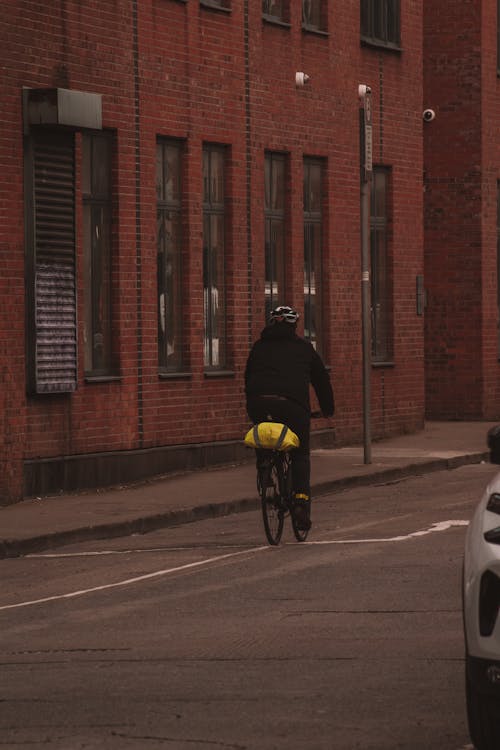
(204, 637)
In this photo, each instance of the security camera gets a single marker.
(363, 90)
(301, 79)
(428, 115)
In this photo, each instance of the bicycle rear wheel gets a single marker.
(300, 534)
(273, 513)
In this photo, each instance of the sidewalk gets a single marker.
(34, 525)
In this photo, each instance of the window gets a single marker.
(96, 193)
(169, 255)
(275, 10)
(213, 256)
(380, 271)
(314, 15)
(380, 22)
(51, 354)
(274, 218)
(313, 197)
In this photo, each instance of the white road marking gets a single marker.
(440, 526)
(98, 553)
(128, 581)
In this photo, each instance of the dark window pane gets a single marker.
(206, 177)
(392, 22)
(274, 219)
(277, 185)
(380, 271)
(380, 21)
(172, 174)
(380, 299)
(159, 173)
(313, 202)
(171, 354)
(366, 17)
(267, 183)
(96, 175)
(217, 178)
(86, 166)
(273, 8)
(169, 299)
(101, 173)
(379, 194)
(313, 251)
(214, 258)
(311, 13)
(274, 258)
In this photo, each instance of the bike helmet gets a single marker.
(283, 314)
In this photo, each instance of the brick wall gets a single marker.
(180, 69)
(462, 166)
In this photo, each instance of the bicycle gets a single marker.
(274, 484)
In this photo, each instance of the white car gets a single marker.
(481, 602)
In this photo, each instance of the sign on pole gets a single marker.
(368, 137)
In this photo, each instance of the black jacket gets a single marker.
(283, 364)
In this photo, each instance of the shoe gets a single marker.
(301, 515)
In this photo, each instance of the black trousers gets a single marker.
(266, 409)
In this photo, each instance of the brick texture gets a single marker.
(462, 166)
(181, 69)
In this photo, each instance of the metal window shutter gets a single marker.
(55, 288)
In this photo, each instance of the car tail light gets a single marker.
(489, 601)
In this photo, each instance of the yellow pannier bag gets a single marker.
(273, 436)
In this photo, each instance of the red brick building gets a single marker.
(163, 182)
(462, 173)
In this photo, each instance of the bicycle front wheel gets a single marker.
(272, 507)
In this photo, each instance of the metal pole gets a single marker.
(366, 172)
(366, 317)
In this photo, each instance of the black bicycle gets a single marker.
(274, 483)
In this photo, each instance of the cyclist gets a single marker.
(279, 369)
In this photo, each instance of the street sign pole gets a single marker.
(366, 176)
